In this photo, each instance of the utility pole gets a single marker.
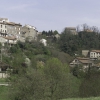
(1, 54)
(1, 61)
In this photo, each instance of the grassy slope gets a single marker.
(92, 98)
(3, 92)
(4, 96)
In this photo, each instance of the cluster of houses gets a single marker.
(11, 32)
(88, 60)
(74, 30)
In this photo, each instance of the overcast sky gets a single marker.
(51, 14)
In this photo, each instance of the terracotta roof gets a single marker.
(85, 61)
(98, 51)
(80, 58)
(11, 23)
(71, 28)
(3, 19)
(10, 38)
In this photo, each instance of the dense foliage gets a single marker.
(42, 73)
(75, 43)
(39, 73)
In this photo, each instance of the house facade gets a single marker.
(9, 28)
(84, 62)
(71, 30)
(13, 28)
(8, 40)
(95, 54)
(3, 29)
(29, 32)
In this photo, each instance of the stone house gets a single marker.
(95, 54)
(85, 53)
(8, 40)
(29, 32)
(44, 42)
(84, 62)
(13, 28)
(10, 28)
(71, 30)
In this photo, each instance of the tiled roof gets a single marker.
(80, 58)
(85, 61)
(11, 23)
(98, 51)
(3, 19)
(10, 38)
(71, 28)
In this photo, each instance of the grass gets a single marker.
(3, 79)
(3, 93)
(91, 98)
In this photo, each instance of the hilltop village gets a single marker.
(49, 65)
(11, 33)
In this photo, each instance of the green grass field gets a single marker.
(92, 98)
(3, 93)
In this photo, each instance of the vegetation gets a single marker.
(92, 98)
(3, 93)
(72, 44)
(42, 73)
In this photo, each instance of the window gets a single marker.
(91, 53)
(5, 26)
(75, 60)
(1, 26)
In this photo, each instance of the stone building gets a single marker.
(95, 54)
(85, 53)
(9, 28)
(71, 30)
(29, 32)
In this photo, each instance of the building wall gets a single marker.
(10, 29)
(14, 29)
(3, 75)
(2, 40)
(29, 32)
(18, 29)
(85, 53)
(94, 55)
(3, 28)
(71, 30)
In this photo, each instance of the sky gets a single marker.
(52, 14)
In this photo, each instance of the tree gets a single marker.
(55, 32)
(29, 86)
(57, 75)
